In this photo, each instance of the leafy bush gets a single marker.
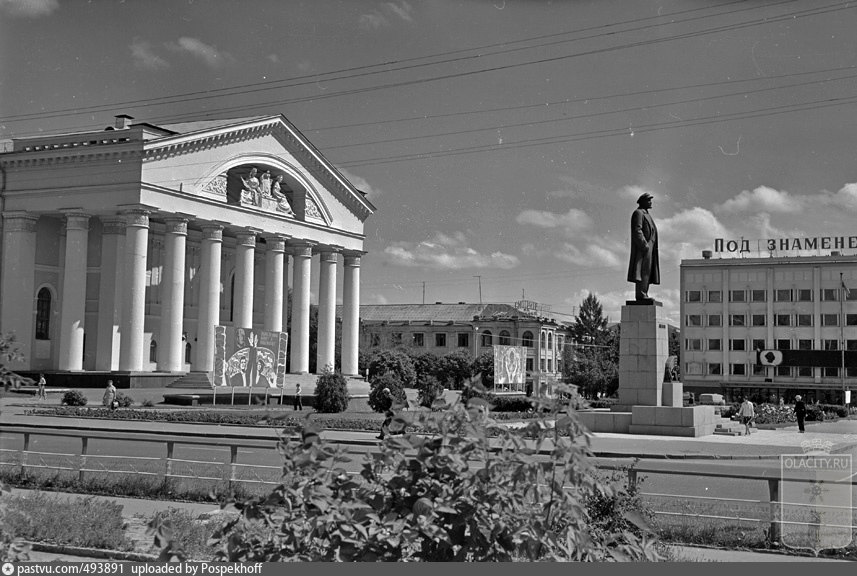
(124, 400)
(602, 402)
(378, 401)
(74, 398)
(476, 390)
(190, 534)
(484, 365)
(46, 517)
(420, 498)
(429, 390)
(456, 368)
(148, 403)
(511, 404)
(426, 364)
(331, 392)
(12, 548)
(9, 352)
(393, 361)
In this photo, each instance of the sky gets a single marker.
(503, 142)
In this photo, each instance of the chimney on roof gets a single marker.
(438, 302)
(123, 121)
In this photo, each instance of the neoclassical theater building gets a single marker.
(123, 248)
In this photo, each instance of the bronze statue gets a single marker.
(643, 268)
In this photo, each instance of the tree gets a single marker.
(593, 365)
(590, 325)
(425, 364)
(456, 368)
(484, 365)
(394, 361)
(331, 392)
(9, 353)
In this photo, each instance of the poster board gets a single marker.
(245, 357)
(509, 368)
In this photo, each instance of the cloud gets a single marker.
(447, 252)
(212, 57)
(372, 21)
(145, 57)
(382, 18)
(362, 184)
(846, 197)
(29, 8)
(762, 199)
(401, 9)
(572, 222)
(591, 256)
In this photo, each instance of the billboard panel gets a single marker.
(245, 357)
(509, 366)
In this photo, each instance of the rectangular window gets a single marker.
(694, 296)
(714, 343)
(758, 319)
(831, 344)
(804, 344)
(419, 339)
(784, 344)
(851, 295)
(760, 296)
(737, 320)
(440, 340)
(694, 320)
(737, 296)
(714, 320)
(830, 319)
(542, 364)
(550, 365)
(804, 295)
(831, 372)
(851, 344)
(783, 295)
(851, 319)
(782, 320)
(693, 344)
(463, 340)
(714, 369)
(758, 343)
(829, 294)
(784, 371)
(737, 344)
(758, 370)
(804, 319)
(715, 296)
(396, 339)
(739, 369)
(804, 371)
(529, 364)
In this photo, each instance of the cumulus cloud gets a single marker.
(29, 8)
(592, 255)
(447, 252)
(382, 18)
(762, 199)
(210, 55)
(573, 220)
(846, 197)
(401, 9)
(145, 57)
(362, 184)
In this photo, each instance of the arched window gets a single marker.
(550, 340)
(542, 341)
(153, 351)
(487, 338)
(187, 353)
(527, 339)
(43, 315)
(505, 338)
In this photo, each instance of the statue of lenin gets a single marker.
(643, 268)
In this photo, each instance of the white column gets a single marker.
(111, 287)
(285, 320)
(134, 300)
(299, 333)
(73, 297)
(17, 298)
(326, 349)
(172, 310)
(209, 296)
(351, 313)
(245, 252)
(274, 283)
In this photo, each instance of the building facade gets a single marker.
(475, 328)
(733, 307)
(123, 248)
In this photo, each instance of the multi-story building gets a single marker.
(733, 307)
(442, 328)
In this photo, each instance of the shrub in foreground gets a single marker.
(74, 398)
(331, 392)
(422, 499)
(429, 390)
(378, 401)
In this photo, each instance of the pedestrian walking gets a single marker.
(388, 414)
(42, 392)
(747, 413)
(299, 404)
(800, 413)
(109, 398)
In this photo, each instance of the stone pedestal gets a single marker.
(643, 351)
(672, 395)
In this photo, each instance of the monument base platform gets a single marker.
(691, 421)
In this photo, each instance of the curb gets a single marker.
(688, 456)
(90, 552)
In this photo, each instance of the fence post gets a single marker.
(24, 453)
(233, 458)
(266, 395)
(632, 479)
(232, 399)
(774, 496)
(214, 397)
(84, 441)
(168, 467)
(282, 389)
(249, 394)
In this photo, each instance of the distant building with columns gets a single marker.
(123, 248)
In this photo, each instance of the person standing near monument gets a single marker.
(800, 413)
(42, 394)
(644, 267)
(747, 412)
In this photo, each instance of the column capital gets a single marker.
(19, 222)
(246, 238)
(276, 242)
(76, 219)
(176, 225)
(112, 224)
(352, 257)
(330, 256)
(136, 217)
(302, 248)
(212, 232)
